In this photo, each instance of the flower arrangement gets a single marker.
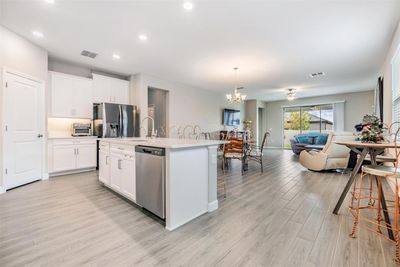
(370, 129)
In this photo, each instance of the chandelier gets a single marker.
(290, 94)
(236, 97)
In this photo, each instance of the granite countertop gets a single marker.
(163, 142)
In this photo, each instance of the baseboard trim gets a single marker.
(212, 206)
(2, 190)
(54, 174)
(173, 227)
(45, 176)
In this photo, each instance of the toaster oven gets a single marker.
(81, 129)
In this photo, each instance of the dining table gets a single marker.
(363, 149)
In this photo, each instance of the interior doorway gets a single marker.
(157, 102)
(261, 125)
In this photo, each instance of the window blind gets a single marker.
(396, 87)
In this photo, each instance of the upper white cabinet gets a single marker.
(110, 90)
(71, 96)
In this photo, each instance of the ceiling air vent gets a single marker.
(88, 54)
(317, 74)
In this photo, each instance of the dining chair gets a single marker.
(370, 201)
(234, 149)
(255, 152)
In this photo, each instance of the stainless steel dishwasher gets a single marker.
(150, 179)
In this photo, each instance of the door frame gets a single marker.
(3, 116)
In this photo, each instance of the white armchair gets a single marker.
(333, 156)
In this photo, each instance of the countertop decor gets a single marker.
(370, 129)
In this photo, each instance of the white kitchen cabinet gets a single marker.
(104, 163)
(64, 157)
(117, 169)
(70, 155)
(129, 182)
(85, 156)
(116, 178)
(120, 91)
(110, 90)
(71, 96)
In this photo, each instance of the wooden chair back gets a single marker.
(235, 145)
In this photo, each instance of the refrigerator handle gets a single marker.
(121, 126)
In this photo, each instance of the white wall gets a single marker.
(386, 72)
(187, 105)
(251, 113)
(23, 56)
(356, 106)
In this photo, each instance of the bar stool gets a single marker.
(367, 200)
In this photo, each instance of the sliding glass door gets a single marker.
(291, 124)
(306, 119)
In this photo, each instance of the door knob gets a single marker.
(40, 135)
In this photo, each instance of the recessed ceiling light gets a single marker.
(49, 1)
(116, 56)
(142, 37)
(37, 34)
(188, 5)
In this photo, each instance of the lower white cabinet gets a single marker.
(86, 156)
(104, 166)
(64, 157)
(71, 154)
(117, 168)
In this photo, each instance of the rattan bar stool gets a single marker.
(367, 198)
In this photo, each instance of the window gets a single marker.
(306, 119)
(396, 86)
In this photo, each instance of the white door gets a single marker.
(128, 176)
(86, 156)
(64, 158)
(23, 128)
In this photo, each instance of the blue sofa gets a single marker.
(308, 141)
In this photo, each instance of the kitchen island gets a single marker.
(190, 174)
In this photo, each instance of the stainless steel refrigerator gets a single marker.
(115, 120)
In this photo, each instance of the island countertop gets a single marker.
(171, 143)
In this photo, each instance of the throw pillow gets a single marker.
(321, 140)
(302, 139)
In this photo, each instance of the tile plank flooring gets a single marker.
(279, 218)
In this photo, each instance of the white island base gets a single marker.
(191, 184)
(191, 175)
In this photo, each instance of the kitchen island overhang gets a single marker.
(190, 175)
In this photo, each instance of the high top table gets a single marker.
(363, 149)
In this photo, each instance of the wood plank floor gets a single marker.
(279, 218)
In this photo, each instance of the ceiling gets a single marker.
(276, 44)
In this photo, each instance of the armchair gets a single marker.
(332, 156)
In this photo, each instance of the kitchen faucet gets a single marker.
(153, 132)
(195, 133)
(184, 130)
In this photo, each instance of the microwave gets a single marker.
(81, 129)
